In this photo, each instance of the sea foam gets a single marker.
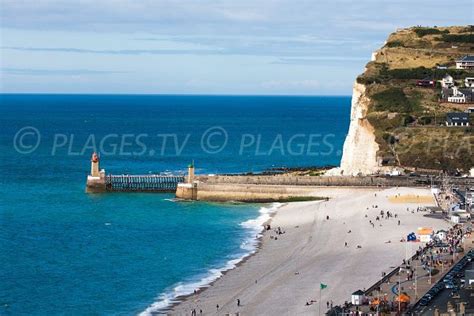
(249, 245)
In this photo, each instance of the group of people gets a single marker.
(329, 304)
(278, 231)
(383, 215)
(194, 312)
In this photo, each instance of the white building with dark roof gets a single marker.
(469, 82)
(467, 62)
(457, 119)
(456, 96)
(447, 81)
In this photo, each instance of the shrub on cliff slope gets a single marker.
(392, 100)
(395, 44)
(443, 148)
(421, 73)
(457, 38)
(423, 31)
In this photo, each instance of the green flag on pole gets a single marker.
(323, 286)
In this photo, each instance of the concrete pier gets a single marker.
(95, 184)
(99, 181)
(189, 189)
(283, 188)
(249, 188)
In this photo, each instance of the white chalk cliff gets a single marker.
(359, 156)
(360, 148)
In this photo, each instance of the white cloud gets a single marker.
(245, 46)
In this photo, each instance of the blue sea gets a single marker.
(63, 251)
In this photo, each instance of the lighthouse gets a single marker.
(190, 178)
(188, 189)
(95, 165)
(96, 180)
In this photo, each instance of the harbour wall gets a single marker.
(255, 193)
(369, 181)
(314, 181)
(273, 188)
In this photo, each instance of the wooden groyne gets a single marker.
(142, 183)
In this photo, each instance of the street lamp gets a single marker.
(416, 280)
(399, 289)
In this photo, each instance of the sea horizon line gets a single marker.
(175, 94)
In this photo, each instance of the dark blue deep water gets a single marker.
(66, 252)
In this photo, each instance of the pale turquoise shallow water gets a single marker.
(67, 252)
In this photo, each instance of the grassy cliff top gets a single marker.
(409, 120)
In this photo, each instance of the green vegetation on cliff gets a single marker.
(392, 100)
(422, 31)
(409, 120)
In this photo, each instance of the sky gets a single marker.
(288, 47)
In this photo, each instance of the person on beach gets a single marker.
(217, 306)
(238, 302)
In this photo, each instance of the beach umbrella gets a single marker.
(375, 302)
(403, 298)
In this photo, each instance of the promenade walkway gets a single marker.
(416, 276)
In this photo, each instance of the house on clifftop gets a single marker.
(447, 81)
(456, 95)
(469, 82)
(457, 119)
(467, 62)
